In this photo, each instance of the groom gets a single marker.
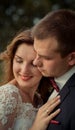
(54, 42)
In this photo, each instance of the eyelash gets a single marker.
(47, 58)
(20, 61)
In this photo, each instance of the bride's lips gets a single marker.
(25, 78)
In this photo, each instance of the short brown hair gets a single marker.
(59, 24)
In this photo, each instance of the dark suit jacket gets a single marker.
(66, 117)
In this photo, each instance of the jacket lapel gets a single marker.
(66, 89)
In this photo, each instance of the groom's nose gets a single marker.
(37, 61)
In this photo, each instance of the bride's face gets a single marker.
(26, 74)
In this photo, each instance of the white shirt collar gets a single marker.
(64, 78)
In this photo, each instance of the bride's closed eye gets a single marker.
(18, 59)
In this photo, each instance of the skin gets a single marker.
(49, 60)
(26, 74)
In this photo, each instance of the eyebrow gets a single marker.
(44, 56)
(18, 57)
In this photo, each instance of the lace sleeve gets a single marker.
(8, 106)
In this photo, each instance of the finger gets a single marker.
(51, 107)
(52, 115)
(47, 110)
(49, 103)
(52, 101)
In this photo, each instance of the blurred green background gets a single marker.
(18, 14)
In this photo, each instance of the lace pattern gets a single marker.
(10, 100)
(25, 116)
(6, 102)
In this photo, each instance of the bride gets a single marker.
(24, 89)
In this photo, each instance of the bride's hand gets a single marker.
(44, 115)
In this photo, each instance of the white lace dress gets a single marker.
(15, 114)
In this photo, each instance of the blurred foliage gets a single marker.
(16, 15)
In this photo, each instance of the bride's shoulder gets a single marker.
(9, 92)
(8, 88)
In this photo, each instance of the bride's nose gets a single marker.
(25, 68)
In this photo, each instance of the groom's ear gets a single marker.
(71, 59)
